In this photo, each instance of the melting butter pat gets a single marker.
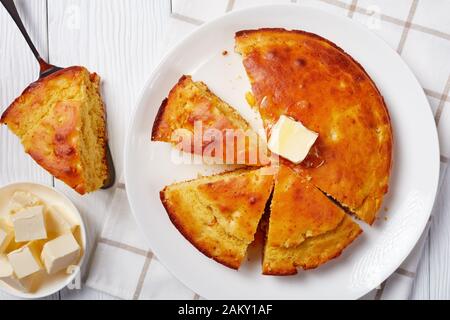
(291, 140)
(56, 223)
(60, 253)
(25, 261)
(8, 276)
(29, 224)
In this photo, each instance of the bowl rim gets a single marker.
(63, 283)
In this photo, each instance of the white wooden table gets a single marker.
(122, 41)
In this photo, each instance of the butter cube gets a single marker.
(291, 140)
(29, 224)
(6, 236)
(25, 261)
(7, 275)
(21, 200)
(56, 223)
(8, 228)
(60, 253)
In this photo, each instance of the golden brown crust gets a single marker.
(219, 215)
(306, 229)
(299, 210)
(314, 251)
(160, 129)
(330, 93)
(38, 90)
(57, 115)
(230, 262)
(54, 146)
(191, 103)
(159, 116)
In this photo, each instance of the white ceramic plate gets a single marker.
(372, 257)
(54, 283)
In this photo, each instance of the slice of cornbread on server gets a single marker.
(191, 107)
(219, 214)
(306, 229)
(60, 120)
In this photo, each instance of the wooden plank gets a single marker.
(121, 41)
(18, 68)
(85, 294)
(421, 288)
(440, 245)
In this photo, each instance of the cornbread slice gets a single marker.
(310, 79)
(306, 229)
(219, 214)
(199, 122)
(60, 120)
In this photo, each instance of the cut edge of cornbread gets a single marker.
(312, 252)
(179, 104)
(94, 143)
(366, 208)
(219, 220)
(305, 229)
(192, 103)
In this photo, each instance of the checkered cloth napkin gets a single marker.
(124, 266)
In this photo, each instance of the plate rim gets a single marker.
(173, 49)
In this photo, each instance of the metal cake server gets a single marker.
(47, 69)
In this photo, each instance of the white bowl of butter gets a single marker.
(42, 240)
